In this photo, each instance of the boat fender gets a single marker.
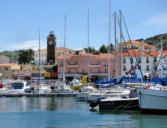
(147, 87)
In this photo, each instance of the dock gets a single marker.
(39, 95)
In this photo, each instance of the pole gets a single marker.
(109, 33)
(64, 50)
(115, 41)
(39, 66)
(121, 57)
(88, 42)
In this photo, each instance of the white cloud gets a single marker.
(33, 44)
(159, 19)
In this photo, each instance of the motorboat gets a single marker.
(44, 89)
(112, 92)
(76, 84)
(61, 87)
(19, 87)
(84, 92)
(153, 98)
(120, 102)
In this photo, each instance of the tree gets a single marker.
(103, 49)
(90, 50)
(26, 56)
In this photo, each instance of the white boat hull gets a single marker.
(152, 99)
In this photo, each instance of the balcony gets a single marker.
(94, 65)
(72, 65)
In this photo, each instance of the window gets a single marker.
(139, 59)
(98, 62)
(155, 59)
(131, 60)
(76, 70)
(147, 60)
(106, 70)
(124, 68)
(6, 68)
(69, 70)
(124, 60)
(90, 62)
(147, 68)
(131, 66)
(83, 62)
(76, 62)
(98, 71)
(83, 71)
(61, 65)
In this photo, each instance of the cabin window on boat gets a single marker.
(124, 68)
(124, 60)
(17, 85)
(147, 60)
(147, 68)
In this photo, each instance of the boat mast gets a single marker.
(109, 33)
(39, 64)
(88, 42)
(115, 40)
(64, 50)
(121, 57)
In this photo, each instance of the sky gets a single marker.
(20, 21)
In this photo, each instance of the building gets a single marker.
(147, 61)
(8, 69)
(80, 64)
(4, 59)
(51, 49)
(136, 45)
(43, 54)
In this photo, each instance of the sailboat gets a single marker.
(43, 88)
(61, 85)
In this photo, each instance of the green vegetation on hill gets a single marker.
(19, 56)
(13, 55)
(156, 40)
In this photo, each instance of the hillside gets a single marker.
(156, 40)
(13, 55)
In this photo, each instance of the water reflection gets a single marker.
(23, 104)
(67, 112)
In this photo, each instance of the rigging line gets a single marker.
(126, 48)
(131, 44)
(158, 64)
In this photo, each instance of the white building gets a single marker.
(146, 55)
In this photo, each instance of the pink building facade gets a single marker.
(85, 64)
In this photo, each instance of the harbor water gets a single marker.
(68, 112)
